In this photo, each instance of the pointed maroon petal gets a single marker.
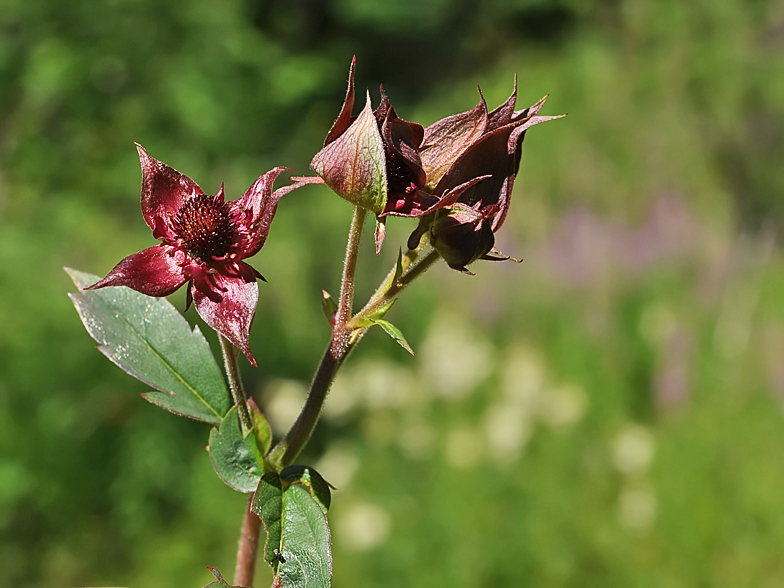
(227, 304)
(531, 110)
(382, 110)
(188, 297)
(505, 113)
(451, 196)
(163, 188)
(260, 204)
(302, 180)
(447, 139)
(344, 118)
(152, 271)
(263, 206)
(257, 273)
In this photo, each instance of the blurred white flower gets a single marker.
(563, 406)
(455, 360)
(637, 509)
(338, 465)
(508, 427)
(633, 450)
(362, 526)
(283, 400)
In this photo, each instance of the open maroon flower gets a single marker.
(204, 241)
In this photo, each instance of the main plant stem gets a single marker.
(345, 336)
(292, 444)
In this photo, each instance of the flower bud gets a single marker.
(461, 235)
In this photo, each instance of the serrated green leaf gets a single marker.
(149, 339)
(305, 543)
(312, 480)
(396, 334)
(237, 460)
(268, 505)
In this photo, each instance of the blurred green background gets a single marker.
(607, 414)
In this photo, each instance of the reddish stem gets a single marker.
(249, 546)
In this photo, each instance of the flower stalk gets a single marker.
(231, 354)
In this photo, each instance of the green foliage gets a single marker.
(149, 339)
(293, 507)
(237, 458)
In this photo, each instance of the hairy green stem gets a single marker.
(230, 363)
(346, 298)
(344, 339)
(292, 444)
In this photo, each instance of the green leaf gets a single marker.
(306, 556)
(150, 340)
(237, 460)
(396, 334)
(312, 480)
(261, 427)
(361, 322)
(398, 266)
(268, 504)
(328, 305)
(220, 582)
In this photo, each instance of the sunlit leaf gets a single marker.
(312, 480)
(237, 459)
(305, 552)
(268, 504)
(149, 339)
(395, 333)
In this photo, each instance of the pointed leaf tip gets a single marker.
(395, 333)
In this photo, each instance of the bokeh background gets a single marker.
(607, 414)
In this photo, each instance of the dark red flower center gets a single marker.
(204, 227)
(401, 179)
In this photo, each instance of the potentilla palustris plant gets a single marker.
(455, 177)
